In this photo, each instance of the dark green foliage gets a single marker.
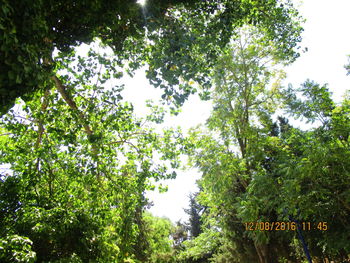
(194, 212)
(9, 201)
(317, 106)
(185, 51)
(30, 31)
(180, 235)
(317, 185)
(259, 170)
(81, 161)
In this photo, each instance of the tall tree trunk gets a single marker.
(261, 253)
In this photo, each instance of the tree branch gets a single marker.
(62, 90)
(40, 121)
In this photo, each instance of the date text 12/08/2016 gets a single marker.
(285, 226)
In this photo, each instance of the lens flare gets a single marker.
(141, 2)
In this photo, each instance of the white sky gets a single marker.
(169, 204)
(328, 41)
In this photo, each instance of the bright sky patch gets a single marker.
(141, 2)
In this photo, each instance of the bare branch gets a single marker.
(40, 121)
(4, 134)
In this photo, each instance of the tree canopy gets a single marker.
(169, 35)
(258, 169)
(81, 161)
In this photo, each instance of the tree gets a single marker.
(257, 170)
(179, 235)
(231, 151)
(80, 159)
(159, 231)
(315, 189)
(81, 163)
(201, 248)
(16, 249)
(166, 34)
(194, 211)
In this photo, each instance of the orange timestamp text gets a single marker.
(285, 226)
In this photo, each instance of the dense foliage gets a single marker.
(169, 35)
(80, 161)
(258, 168)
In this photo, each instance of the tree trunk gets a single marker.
(261, 250)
